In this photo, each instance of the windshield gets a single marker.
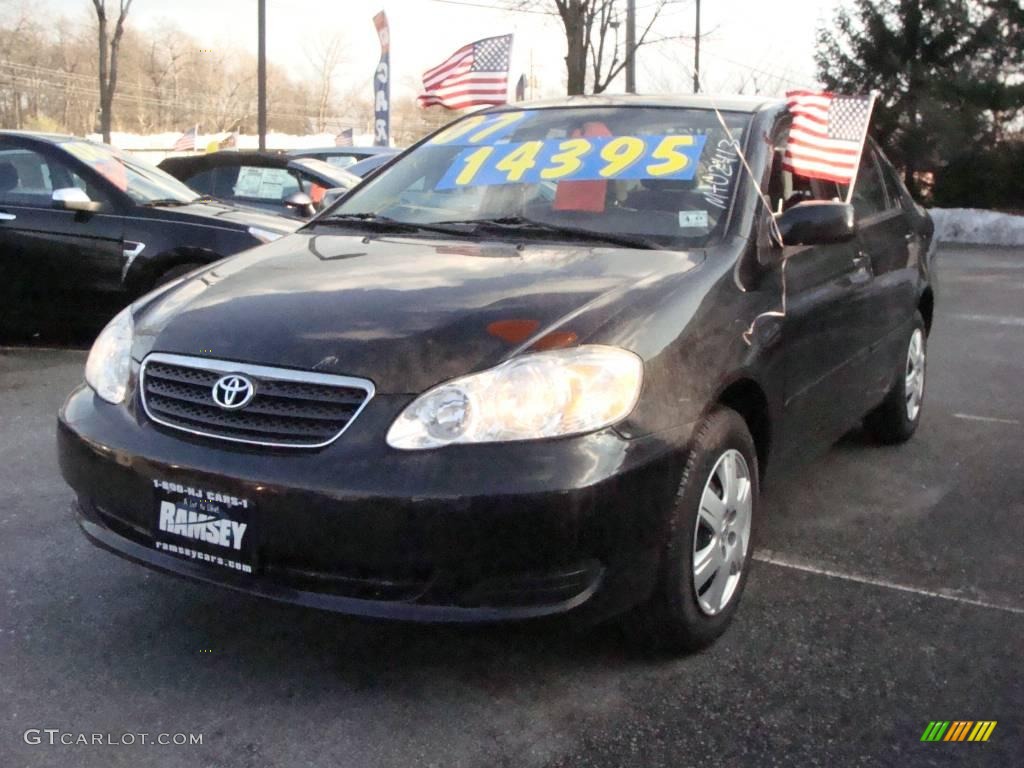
(331, 173)
(661, 174)
(142, 182)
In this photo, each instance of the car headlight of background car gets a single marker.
(544, 394)
(110, 360)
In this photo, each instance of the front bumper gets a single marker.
(464, 533)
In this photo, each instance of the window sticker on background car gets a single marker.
(263, 183)
(596, 158)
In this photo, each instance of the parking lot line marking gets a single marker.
(993, 319)
(993, 419)
(772, 558)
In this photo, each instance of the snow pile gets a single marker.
(970, 225)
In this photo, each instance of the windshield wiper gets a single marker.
(168, 201)
(387, 224)
(531, 226)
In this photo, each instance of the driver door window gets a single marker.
(24, 178)
(28, 178)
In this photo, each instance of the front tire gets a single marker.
(706, 558)
(896, 419)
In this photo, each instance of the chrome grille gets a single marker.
(290, 409)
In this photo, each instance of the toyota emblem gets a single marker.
(233, 392)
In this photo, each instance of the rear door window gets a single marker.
(869, 195)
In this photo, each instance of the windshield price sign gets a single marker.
(673, 156)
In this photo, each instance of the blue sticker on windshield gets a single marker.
(595, 158)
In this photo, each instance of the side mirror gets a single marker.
(817, 222)
(73, 199)
(298, 200)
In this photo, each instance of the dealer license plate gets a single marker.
(204, 525)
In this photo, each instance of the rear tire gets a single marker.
(706, 558)
(896, 419)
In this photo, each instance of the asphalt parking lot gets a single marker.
(888, 592)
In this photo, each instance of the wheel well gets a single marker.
(927, 308)
(748, 400)
(143, 279)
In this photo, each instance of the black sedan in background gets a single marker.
(539, 365)
(278, 183)
(85, 229)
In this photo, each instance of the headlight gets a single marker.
(265, 235)
(110, 359)
(544, 394)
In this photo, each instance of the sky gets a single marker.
(771, 41)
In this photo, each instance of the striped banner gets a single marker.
(958, 730)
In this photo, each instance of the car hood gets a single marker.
(405, 313)
(216, 214)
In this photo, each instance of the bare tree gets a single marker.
(109, 47)
(592, 39)
(325, 59)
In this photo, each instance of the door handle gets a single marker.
(7, 216)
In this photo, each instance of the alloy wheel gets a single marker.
(722, 535)
(914, 386)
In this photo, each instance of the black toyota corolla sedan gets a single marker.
(85, 229)
(540, 365)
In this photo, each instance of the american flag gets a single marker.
(474, 75)
(827, 135)
(187, 140)
(343, 138)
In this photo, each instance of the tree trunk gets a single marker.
(576, 55)
(101, 34)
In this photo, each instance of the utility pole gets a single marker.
(261, 76)
(696, 53)
(630, 46)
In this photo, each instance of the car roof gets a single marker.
(226, 157)
(51, 138)
(724, 103)
(346, 151)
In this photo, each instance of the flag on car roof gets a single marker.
(475, 75)
(187, 140)
(827, 135)
(343, 138)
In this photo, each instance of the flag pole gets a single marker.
(863, 144)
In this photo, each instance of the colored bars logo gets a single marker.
(958, 730)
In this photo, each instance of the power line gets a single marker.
(186, 103)
(33, 75)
